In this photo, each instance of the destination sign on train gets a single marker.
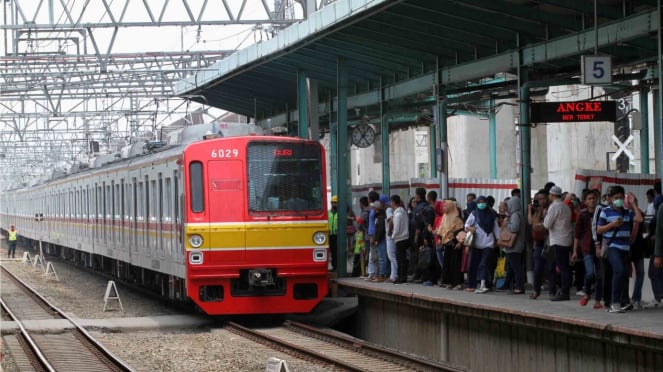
(580, 111)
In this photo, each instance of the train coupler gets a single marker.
(261, 278)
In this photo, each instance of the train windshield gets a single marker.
(284, 176)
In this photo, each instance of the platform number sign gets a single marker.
(596, 70)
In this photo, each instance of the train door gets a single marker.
(133, 226)
(159, 216)
(227, 208)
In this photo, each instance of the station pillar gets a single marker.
(302, 104)
(342, 157)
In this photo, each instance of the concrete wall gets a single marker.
(480, 339)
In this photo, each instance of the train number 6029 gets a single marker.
(225, 153)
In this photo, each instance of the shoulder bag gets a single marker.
(507, 238)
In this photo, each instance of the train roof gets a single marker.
(111, 162)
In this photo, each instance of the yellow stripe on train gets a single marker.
(256, 234)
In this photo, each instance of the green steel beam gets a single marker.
(384, 143)
(658, 137)
(524, 16)
(644, 130)
(302, 104)
(432, 147)
(492, 138)
(444, 146)
(584, 8)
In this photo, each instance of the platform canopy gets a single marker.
(401, 44)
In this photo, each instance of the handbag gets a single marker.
(507, 238)
(500, 269)
(424, 258)
(469, 239)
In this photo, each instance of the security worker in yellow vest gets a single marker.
(333, 231)
(12, 235)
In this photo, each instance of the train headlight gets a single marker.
(196, 240)
(319, 238)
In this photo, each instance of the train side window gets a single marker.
(196, 186)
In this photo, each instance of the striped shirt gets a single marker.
(619, 237)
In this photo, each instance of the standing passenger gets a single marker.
(419, 229)
(450, 226)
(615, 225)
(400, 235)
(12, 235)
(333, 231)
(539, 236)
(379, 241)
(391, 245)
(372, 270)
(483, 223)
(558, 223)
(583, 242)
(514, 254)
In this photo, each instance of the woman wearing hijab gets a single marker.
(483, 223)
(514, 255)
(450, 225)
(439, 251)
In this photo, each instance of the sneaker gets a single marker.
(427, 283)
(598, 305)
(584, 300)
(627, 307)
(581, 293)
(560, 297)
(639, 305)
(481, 290)
(614, 308)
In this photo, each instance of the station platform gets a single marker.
(646, 322)
(448, 324)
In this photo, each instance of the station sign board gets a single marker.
(579, 111)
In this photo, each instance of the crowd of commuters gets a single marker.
(596, 243)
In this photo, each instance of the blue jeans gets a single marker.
(391, 255)
(639, 264)
(656, 278)
(618, 260)
(591, 275)
(440, 257)
(372, 269)
(383, 260)
(562, 261)
(478, 267)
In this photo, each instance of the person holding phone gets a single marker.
(615, 224)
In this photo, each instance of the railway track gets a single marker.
(337, 350)
(71, 348)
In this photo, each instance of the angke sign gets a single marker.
(555, 112)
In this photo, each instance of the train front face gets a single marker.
(256, 231)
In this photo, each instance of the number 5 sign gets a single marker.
(596, 70)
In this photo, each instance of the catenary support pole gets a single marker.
(342, 158)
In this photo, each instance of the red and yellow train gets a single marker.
(238, 225)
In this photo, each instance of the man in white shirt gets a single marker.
(560, 228)
(400, 235)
